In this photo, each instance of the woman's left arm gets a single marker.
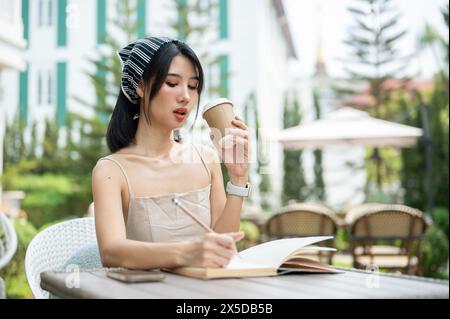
(226, 209)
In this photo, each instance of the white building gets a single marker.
(11, 44)
(251, 38)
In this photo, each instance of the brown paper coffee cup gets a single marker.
(219, 115)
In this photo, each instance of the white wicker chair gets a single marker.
(2, 289)
(50, 249)
(8, 246)
(8, 240)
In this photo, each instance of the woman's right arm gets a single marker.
(210, 250)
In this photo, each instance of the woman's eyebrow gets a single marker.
(179, 76)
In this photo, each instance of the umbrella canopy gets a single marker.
(348, 126)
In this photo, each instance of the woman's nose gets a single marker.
(184, 95)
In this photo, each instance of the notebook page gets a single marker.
(273, 253)
(239, 263)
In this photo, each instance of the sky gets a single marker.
(334, 20)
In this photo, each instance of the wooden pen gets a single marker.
(176, 201)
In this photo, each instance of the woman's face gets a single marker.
(177, 96)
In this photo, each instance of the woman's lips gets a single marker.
(180, 113)
(180, 117)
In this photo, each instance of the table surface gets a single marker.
(350, 284)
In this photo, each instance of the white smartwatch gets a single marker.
(239, 191)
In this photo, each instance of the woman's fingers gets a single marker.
(224, 240)
(229, 141)
(239, 132)
(237, 236)
(237, 121)
(216, 262)
(224, 252)
(221, 249)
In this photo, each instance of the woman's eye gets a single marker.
(171, 84)
(192, 87)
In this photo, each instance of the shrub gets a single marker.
(434, 253)
(52, 197)
(251, 232)
(14, 272)
(441, 219)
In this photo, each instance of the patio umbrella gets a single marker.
(348, 126)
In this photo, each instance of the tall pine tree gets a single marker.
(372, 41)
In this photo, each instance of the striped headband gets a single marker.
(135, 58)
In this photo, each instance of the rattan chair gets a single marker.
(303, 220)
(51, 248)
(384, 236)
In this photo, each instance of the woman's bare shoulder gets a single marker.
(104, 168)
(208, 152)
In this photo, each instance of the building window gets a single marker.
(101, 92)
(182, 6)
(23, 96)
(49, 88)
(223, 19)
(141, 16)
(61, 23)
(101, 21)
(224, 75)
(40, 13)
(39, 88)
(26, 19)
(50, 13)
(61, 93)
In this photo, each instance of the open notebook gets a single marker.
(272, 258)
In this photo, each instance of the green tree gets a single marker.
(53, 158)
(375, 60)
(437, 104)
(31, 149)
(439, 130)
(106, 82)
(14, 148)
(319, 185)
(413, 159)
(294, 184)
(438, 43)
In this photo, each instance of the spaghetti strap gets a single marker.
(123, 172)
(203, 161)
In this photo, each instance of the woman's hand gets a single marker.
(234, 149)
(212, 250)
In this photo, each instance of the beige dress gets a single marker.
(157, 219)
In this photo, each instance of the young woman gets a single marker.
(137, 225)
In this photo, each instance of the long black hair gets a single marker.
(122, 127)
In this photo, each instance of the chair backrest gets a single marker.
(50, 249)
(386, 222)
(302, 219)
(8, 240)
(373, 225)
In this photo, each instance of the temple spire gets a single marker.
(321, 70)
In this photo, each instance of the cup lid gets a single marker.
(214, 103)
